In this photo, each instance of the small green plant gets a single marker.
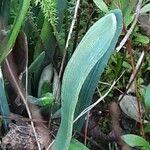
(88, 62)
(135, 140)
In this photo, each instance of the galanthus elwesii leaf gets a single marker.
(83, 72)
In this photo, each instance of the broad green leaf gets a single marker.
(76, 145)
(147, 97)
(101, 5)
(135, 140)
(145, 8)
(88, 88)
(83, 72)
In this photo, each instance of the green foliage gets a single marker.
(141, 39)
(14, 8)
(45, 80)
(49, 9)
(83, 72)
(145, 8)
(53, 11)
(147, 127)
(134, 140)
(76, 145)
(101, 5)
(45, 100)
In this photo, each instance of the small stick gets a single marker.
(69, 37)
(132, 26)
(17, 117)
(22, 94)
(99, 100)
(86, 127)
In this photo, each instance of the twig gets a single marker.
(93, 141)
(76, 31)
(105, 83)
(99, 100)
(132, 26)
(86, 128)
(89, 20)
(22, 95)
(69, 37)
(133, 87)
(138, 65)
(134, 76)
(17, 117)
(50, 145)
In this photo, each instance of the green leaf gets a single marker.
(76, 145)
(101, 5)
(47, 41)
(135, 140)
(147, 128)
(141, 38)
(88, 88)
(36, 63)
(128, 16)
(83, 72)
(145, 8)
(147, 97)
(61, 5)
(46, 100)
